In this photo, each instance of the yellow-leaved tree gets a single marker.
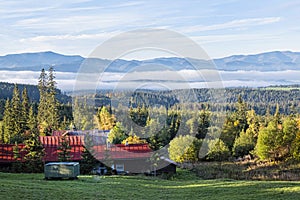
(104, 119)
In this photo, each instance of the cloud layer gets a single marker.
(160, 79)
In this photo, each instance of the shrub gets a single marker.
(184, 148)
(243, 144)
(218, 151)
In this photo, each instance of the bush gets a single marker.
(243, 145)
(184, 148)
(218, 151)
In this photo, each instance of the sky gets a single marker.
(77, 27)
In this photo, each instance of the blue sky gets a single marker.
(221, 28)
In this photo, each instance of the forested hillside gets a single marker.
(6, 92)
(261, 100)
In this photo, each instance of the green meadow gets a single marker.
(184, 185)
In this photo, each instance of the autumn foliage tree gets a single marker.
(104, 119)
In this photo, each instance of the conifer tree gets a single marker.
(7, 123)
(88, 161)
(42, 108)
(83, 114)
(64, 149)
(34, 153)
(1, 132)
(53, 116)
(204, 124)
(267, 146)
(16, 114)
(17, 119)
(117, 134)
(274, 141)
(48, 115)
(234, 124)
(276, 118)
(241, 114)
(245, 142)
(31, 122)
(290, 131)
(25, 110)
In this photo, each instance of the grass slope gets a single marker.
(183, 186)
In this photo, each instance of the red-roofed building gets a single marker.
(134, 158)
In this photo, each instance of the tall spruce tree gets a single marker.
(25, 110)
(32, 122)
(42, 108)
(53, 116)
(235, 123)
(16, 114)
(7, 123)
(48, 115)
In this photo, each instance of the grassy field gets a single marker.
(183, 186)
(282, 88)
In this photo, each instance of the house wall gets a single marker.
(137, 166)
(134, 166)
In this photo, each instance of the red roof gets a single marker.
(123, 152)
(51, 144)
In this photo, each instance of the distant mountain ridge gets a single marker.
(269, 61)
(37, 61)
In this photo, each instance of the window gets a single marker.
(120, 167)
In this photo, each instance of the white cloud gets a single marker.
(127, 4)
(232, 24)
(44, 38)
(233, 37)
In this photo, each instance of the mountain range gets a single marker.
(264, 62)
